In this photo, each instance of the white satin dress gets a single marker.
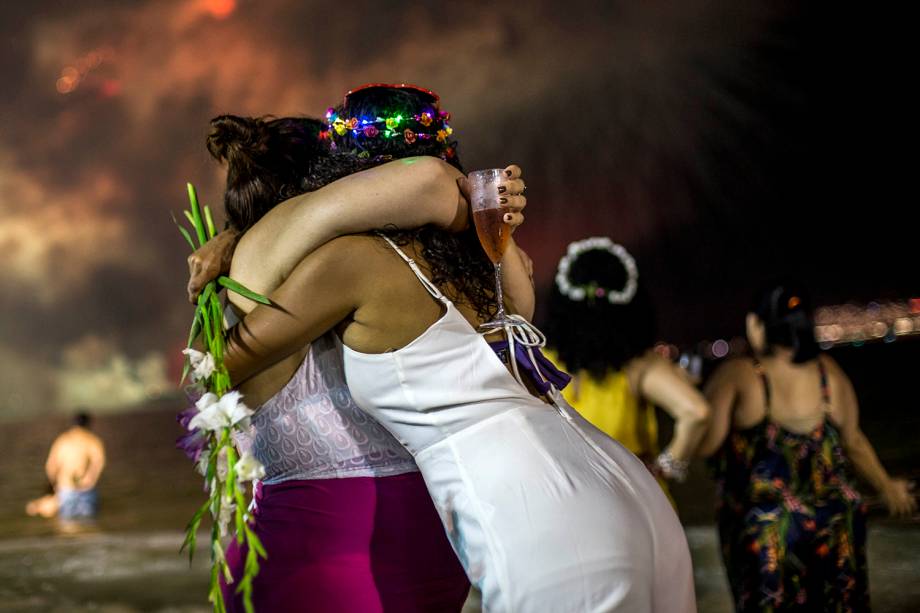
(545, 512)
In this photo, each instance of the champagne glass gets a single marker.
(493, 233)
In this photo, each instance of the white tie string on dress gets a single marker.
(528, 336)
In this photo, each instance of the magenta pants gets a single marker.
(359, 545)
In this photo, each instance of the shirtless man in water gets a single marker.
(74, 465)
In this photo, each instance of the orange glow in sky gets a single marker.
(220, 8)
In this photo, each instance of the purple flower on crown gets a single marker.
(371, 131)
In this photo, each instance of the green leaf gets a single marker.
(203, 298)
(239, 288)
(196, 214)
(216, 595)
(191, 531)
(212, 467)
(195, 330)
(255, 544)
(206, 325)
(228, 576)
(212, 231)
(191, 220)
(188, 237)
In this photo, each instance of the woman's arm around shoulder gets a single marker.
(320, 292)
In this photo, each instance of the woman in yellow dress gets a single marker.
(601, 329)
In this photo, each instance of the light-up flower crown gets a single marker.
(592, 290)
(431, 123)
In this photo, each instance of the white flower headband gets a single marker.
(592, 290)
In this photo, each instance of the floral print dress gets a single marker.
(791, 525)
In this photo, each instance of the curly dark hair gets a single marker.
(270, 160)
(595, 335)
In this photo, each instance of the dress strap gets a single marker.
(758, 367)
(431, 287)
(825, 386)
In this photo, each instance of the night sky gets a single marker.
(722, 142)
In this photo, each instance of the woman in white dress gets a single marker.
(545, 512)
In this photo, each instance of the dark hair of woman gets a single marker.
(266, 159)
(271, 160)
(454, 258)
(592, 334)
(785, 310)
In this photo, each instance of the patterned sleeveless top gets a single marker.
(312, 429)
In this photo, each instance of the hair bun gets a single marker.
(232, 137)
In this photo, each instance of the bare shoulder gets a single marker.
(842, 395)
(263, 233)
(734, 371)
(648, 360)
(349, 259)
(638, 367)
(832, 367)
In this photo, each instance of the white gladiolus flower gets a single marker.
(205, 401)
(209, 416)
(248, 468)
(202, 364)
(214, 413)
(232, 405)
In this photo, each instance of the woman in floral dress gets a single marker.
(785, 431)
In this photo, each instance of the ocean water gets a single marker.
(129, 560)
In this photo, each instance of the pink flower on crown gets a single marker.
(371, 131)
(410, 136)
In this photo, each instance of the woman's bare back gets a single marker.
(796, 400)
(392, 310)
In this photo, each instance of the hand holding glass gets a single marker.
(493, 233)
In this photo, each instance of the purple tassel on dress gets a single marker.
(548, 373)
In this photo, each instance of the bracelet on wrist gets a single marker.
(672, 468)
